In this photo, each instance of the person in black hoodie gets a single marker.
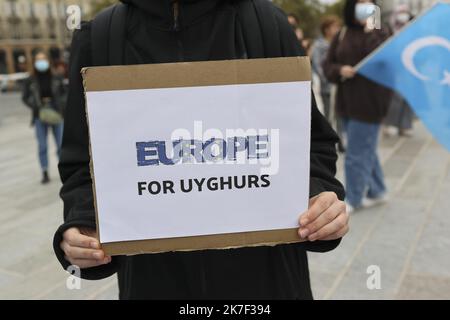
(204, 30)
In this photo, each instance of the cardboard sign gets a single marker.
(203, 155)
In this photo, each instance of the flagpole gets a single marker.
(391, 38)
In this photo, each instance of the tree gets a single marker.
(336, 8)
(310, 13)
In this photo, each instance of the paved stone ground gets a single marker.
(408, 239)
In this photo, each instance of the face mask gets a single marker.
(364, 10)
(42, 65)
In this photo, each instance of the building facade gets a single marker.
(30, 25)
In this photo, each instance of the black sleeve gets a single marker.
(330, 66)
(323, 168)
(27, 97)
(76, 191)
(323, 155)
(62, 94)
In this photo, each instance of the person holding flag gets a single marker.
(360, 102)
(416, 64)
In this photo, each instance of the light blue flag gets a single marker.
(416, 63)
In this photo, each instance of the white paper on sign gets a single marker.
(120, 119)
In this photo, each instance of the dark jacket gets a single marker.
(207, 31)
(31, 95)
(358, 98)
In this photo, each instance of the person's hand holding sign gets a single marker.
(82, 249)
(326, 218)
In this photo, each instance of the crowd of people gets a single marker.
(356, 107)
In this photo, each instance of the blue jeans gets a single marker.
(363, 173)
(41, 135)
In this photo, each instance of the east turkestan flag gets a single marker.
(416, 64)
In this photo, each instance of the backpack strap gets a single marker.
(250, 28)
(268, 28)
(108, 35)
(259, 28)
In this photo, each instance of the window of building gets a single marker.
(3, 65)
(20, 60)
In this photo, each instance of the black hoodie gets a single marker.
(205, 30)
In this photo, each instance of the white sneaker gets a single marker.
(373, 202)
(390, 131)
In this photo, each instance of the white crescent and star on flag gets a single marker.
(411, 50)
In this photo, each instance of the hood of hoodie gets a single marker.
(162, 12)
